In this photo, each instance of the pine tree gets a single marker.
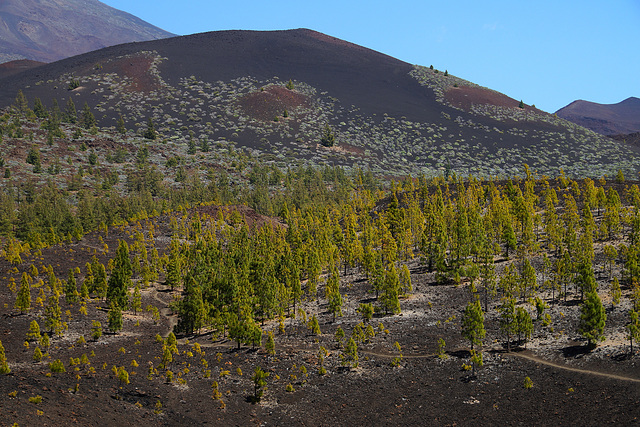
(524, 324)
(150, 133)
(328, 139)
(349, 355)
(508, 319)
(270, 345)
(70, 112)
(22, 105)
(34, 331)
(136, 302)
(120, 126)
(473, 323)
(53, 315)
(259, 383)
(120, 279)
(38, 109)
(592, 319)
(314, 326)
(633, 329)
(88, 120)
(4, 365)
(115, 318)
(23, 299)
(71, 288)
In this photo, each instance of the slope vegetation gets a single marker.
(386, 115)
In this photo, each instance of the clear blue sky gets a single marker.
(547, 53)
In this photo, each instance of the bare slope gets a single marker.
(49, 30)
(606, 119)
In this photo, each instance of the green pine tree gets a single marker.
(115, 318)
(592, 319)
(473, 324)
(120, 279)
(23, 299)
(4, 365)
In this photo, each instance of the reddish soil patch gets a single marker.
(137, 68)
(465, 97)
(14, 67)
(272, 102)
(251, 217)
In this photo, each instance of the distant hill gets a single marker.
(49, 30)
(229, 89)
(605, 119)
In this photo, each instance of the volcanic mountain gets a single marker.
(606, 119)
(272, 95)
(49, 30)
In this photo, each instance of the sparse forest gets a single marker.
(246, 284)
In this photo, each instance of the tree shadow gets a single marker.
(460, 354)
(577, 350)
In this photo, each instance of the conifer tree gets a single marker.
(633, 329)
(53, 315)
(508, 319)
(38, 109)
(150, 133)
(592, 319)
(4, 366)
(88, 119)
(115, 318)
(71, 288)
(34, 331)
(120, 126)
(349, 355)
(23, 299)
(70, 112)
(259, 383)
(473, 324)
(120, 279)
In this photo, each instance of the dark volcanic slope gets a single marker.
(606, 119)
(375, 82)
(48, 30)
(228, 87)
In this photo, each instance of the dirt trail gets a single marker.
(172, 320)
(534, 358)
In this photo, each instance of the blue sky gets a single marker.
(547, 53)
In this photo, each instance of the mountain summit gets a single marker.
(606, 119)
(49, 30)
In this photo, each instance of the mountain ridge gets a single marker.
(230, 89)
(49, 30)
(607, 119)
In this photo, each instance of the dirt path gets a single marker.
(172, 320)
(536, 359)
(165, 312)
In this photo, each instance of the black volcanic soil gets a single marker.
(570, 386)
(374, 82)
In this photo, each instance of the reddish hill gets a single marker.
(606, 119)
(49, 30)
(14, 67)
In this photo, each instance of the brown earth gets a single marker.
(14, 67)
(271, 102)
(466, 96)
